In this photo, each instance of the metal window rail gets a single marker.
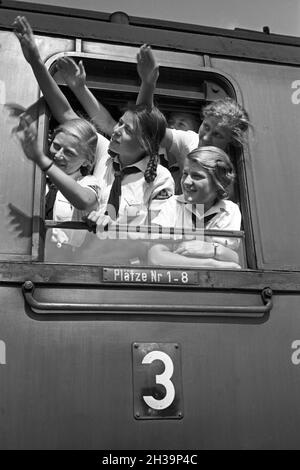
(147, 229)
(156, 309)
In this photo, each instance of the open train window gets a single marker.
(115, 84)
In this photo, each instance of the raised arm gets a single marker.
(56, 100)
(75, 77)
(80, 197)
(148, 70)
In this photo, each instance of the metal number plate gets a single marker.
(157, 381)
(150, 276)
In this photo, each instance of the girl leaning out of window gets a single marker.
(71, 192)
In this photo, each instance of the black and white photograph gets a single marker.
(150, 220)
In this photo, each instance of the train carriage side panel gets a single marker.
(270, 94)
(67, 382)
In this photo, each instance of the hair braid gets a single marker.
(151, 170)
(150, 128)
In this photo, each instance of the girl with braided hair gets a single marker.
(206, 180)
(131, 181)
(130, 176)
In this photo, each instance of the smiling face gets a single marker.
(64, 151)
(197, 184)
(211, 133)
(124, 140)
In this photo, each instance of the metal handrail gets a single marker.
(141, 309)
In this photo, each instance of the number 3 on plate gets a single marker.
(157, 381)
(162, 379)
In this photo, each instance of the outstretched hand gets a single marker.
(147, 67)
(27, 136)
(74, 75)
(15, 111)
(31, 113)
(23, 31)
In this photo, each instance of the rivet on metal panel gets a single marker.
(28, 285)
(136, 345)
(137, 415)
(267, 294)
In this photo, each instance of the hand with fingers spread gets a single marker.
(74, 75)
(147, 67)
(15, 110)
(23, 31)
(27, 136)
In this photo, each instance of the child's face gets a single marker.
(124, 141)
(211, 133)
(65, 153)
(197, 184)
(182, 122)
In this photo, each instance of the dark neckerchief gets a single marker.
(206, 218)
(50, 200)
(113, 203)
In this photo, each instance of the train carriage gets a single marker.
(110, 355)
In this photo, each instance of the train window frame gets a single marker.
(167, 60)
